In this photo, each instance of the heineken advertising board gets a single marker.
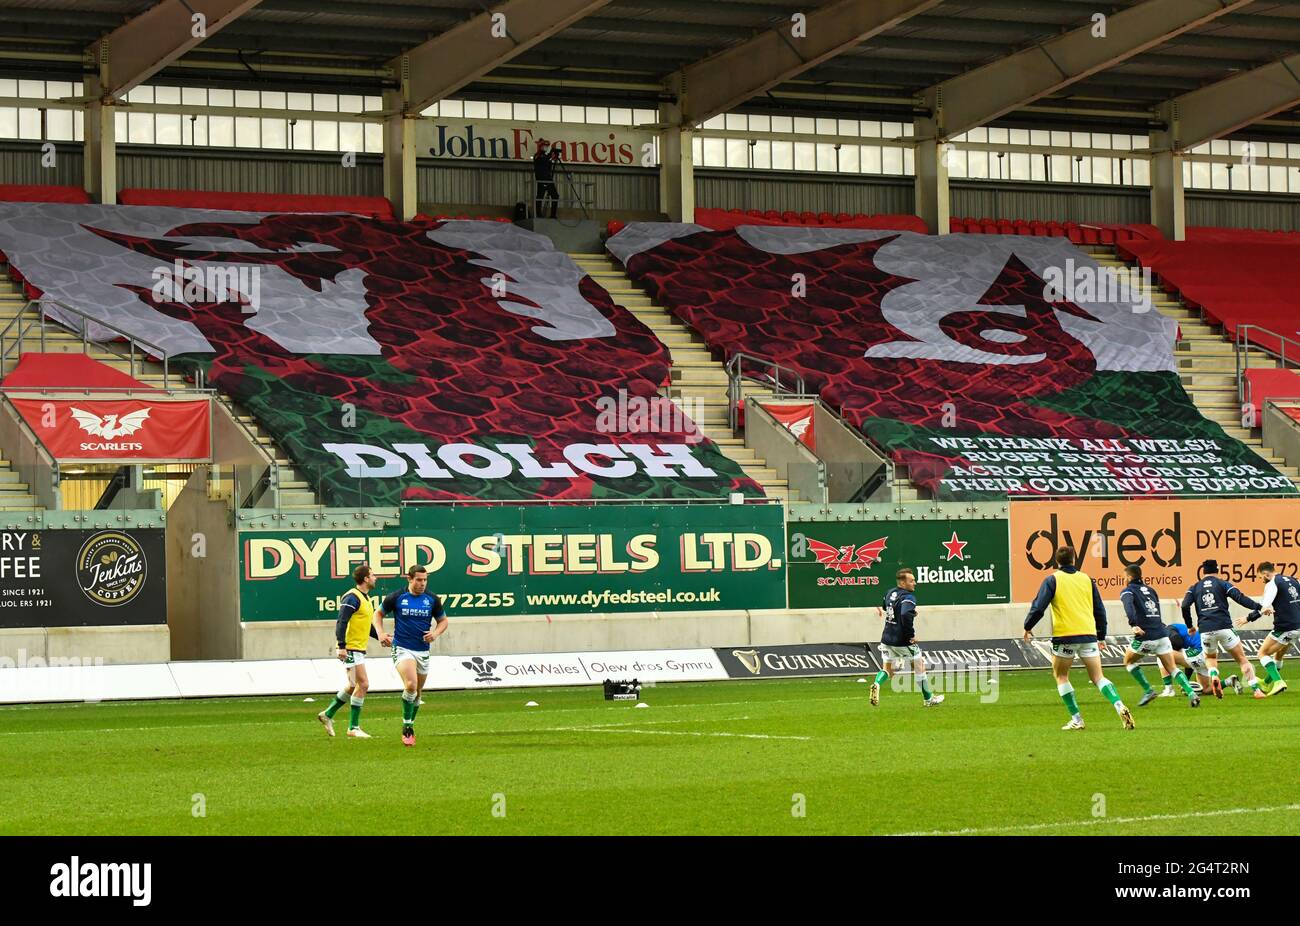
(851, 564)
(530, 560)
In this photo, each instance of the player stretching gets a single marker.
(414, 612)
(1210, 594)
(898, 641)
(1078, 622)
(353, 633)
(1282, 597)
(1142, 605)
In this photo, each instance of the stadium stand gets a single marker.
(399, 319)
(878, 335)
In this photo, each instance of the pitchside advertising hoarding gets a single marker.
(82, 578)
(531, 560)
(852, 564)
(1168, 538)
(504, 140)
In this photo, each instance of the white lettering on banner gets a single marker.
(930, 574)
(368, 461)
(1072, 466)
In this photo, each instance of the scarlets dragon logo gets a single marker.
(847, 558)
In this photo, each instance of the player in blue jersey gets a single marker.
(414, 612)
(1281, 597)
(898, 640)
(1142, 606)
(1188, 656)
(1209, 595)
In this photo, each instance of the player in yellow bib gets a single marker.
(1078, 622)
(353, 632)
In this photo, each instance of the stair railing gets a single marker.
(1241, 354)
(16, 334)
(735, 368)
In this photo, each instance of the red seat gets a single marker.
(808, 218)
(842, 217)
(771, 215)
(1074, 233)
(1106, 235)
(1021, 227)
(988, 227)
(791, 217)
(1038, 229)
(825, 218)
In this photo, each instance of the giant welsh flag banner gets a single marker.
(989, 365)
(452, 360)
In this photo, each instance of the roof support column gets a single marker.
(99, 165)
(401, 181)
(933, 205)
(1168, 204)
(676, 166)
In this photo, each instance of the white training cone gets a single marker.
(309, 700)
(642, 704)
(531, 704)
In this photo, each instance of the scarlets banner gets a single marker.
(389, 360)
(120, 429)
(798, 420)
(988, 365)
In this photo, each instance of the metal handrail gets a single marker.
(30, 432)
(735, 375)
(269, 479)
(23, 321)
(1243, 346)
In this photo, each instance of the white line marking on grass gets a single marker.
(747, 736)
(1103, 821)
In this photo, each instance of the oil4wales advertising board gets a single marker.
(852, 564)
(531, 560)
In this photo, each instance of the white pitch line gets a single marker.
(747, 736)
(1103, 821)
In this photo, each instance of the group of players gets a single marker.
(1079, 625)
(418, 620)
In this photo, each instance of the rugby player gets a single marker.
(414, 613)
(1150, 638)
(1209, 595)
(1078, 623)
(898, 641)
(352, 633)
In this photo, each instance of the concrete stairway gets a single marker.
(1207, 366)
(698, 381)
(294, 489)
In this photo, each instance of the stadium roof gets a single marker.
(621, 52)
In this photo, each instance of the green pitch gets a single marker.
(796, 756)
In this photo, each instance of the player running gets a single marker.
(1078, 622)
(414, 612)
(1142, 606)
(898, 641)
(353, 633)
(1282, 597)
(1210, 594)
